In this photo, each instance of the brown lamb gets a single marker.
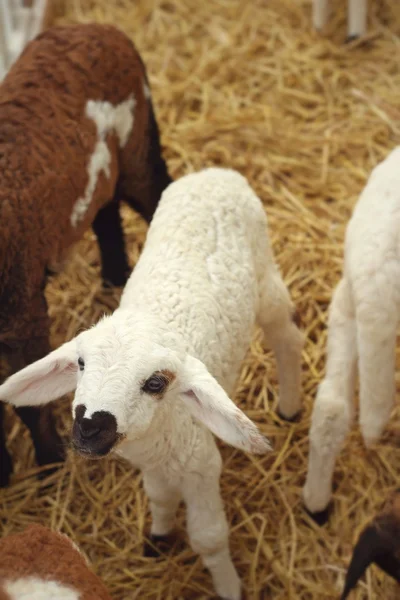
(378, 543)
(47, 565)
(77, 136)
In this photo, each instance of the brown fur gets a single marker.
(39, 552)
(46, 142)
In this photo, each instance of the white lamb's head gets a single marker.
(125, 370)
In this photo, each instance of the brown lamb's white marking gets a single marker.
(39, 564)
(77, 136)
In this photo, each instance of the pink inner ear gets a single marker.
(33, 382)
(192, 396)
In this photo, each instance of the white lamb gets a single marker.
(150, 376)
(363, 322)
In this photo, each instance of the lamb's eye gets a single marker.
(156, 384)
(81, 363)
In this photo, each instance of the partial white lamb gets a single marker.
(363, 320)
(149, 377)
(357, 16)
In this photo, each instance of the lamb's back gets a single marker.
(198, 270)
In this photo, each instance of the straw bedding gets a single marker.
(245, 84)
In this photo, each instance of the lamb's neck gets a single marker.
(168, 440)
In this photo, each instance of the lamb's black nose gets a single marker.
(88, 428)
(94, 436)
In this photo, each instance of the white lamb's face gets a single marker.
(123, 371)
(124, 375)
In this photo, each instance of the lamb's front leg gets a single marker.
(164, 501)
(207, 525)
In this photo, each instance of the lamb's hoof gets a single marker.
(352, 38)
(159, 544)
(293, 419)
(6, 468)
(320, 517)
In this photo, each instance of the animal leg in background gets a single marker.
(285, 340)
(40, 421)
(334, 405)
(143, 190)
(357, 18)
(108, 229)
(377, 321)
(5, 458)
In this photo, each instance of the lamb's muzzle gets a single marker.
(95, 436)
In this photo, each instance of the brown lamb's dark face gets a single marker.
(379, 543)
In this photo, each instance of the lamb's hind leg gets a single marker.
(320, 13)
(357, 18)
(276, 317)
(144, 180)
(208, 528)
(377, 322)
(334, 405)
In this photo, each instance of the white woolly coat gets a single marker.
(200, 270)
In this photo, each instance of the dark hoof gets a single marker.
(6, 468)
(352, 38)
(158, 544)
(294, 419)
(321, 517)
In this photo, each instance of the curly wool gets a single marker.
(39, 564)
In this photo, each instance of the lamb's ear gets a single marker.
(44, 380)
(209, 403)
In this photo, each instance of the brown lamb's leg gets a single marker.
(142, 187)
(8, 355)
(40, 421)
(110, 236)
(6, 466)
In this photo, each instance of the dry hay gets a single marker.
(245, 84)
